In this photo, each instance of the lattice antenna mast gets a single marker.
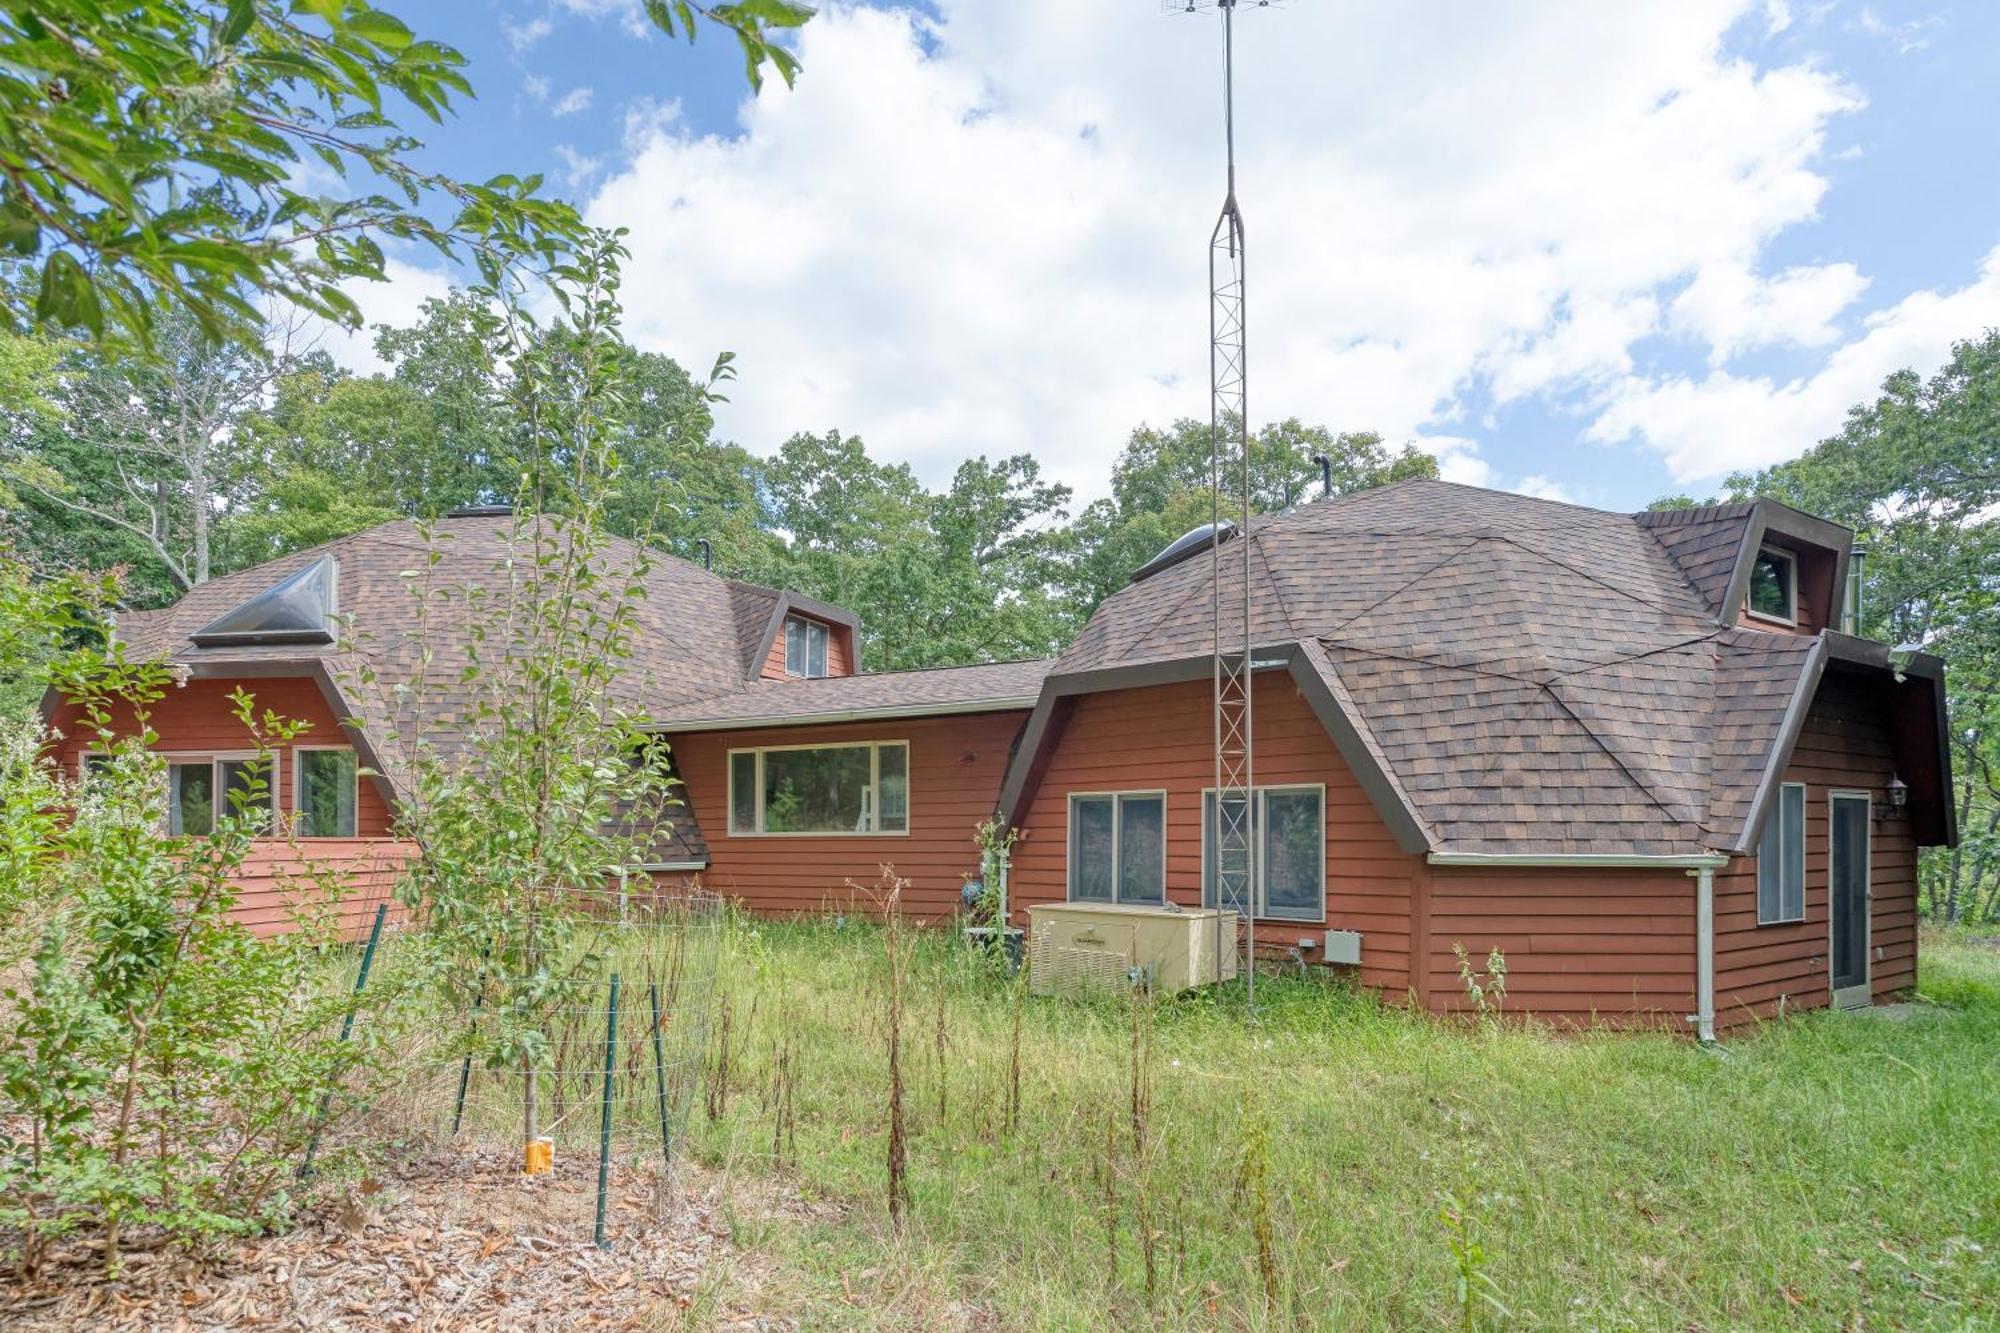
(1235, 860)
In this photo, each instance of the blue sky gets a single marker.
(1595, 251)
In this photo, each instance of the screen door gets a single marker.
(1847, 896)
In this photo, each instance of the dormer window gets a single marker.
(805, 647)
(1774, 586)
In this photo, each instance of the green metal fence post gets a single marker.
(346, 1031)
(604, 1130)
(465, 1069)
(660, 1077)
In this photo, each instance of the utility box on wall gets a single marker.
(1342, 946)
(1086, 946)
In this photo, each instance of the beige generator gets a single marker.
(1086, 946)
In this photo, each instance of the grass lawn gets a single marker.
(1831, 1171)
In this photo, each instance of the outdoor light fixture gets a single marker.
(1899, 793)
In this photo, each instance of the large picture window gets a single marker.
(1118, 847)
(805, 647)
(1781, 859)
(859, 788)
(1288, 839)
(328, 785)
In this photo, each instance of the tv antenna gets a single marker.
(1235, 865)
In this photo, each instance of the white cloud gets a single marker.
(397, 302)
(1908, 36)
(629, 13)
(1722, 422)
(1544, 488)
(524, 35)
(535, 86)
(1734, 311)
(571, 102)
(579, 169)
(985, 231)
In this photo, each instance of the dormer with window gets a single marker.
(1793, 574)
(807, 640)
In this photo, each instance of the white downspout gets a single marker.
(1704, 955)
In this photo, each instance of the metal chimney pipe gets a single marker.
(1325, 476)
(1857, 570)
(707, 554)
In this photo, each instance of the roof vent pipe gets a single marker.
(1325, 476)
(707, 554)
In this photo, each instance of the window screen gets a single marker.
(1288, 840)
(191, 798)
(743, 791)
(1117, 847)
(805, 648)
(327, 791)
(1781, 859)
(246, 790)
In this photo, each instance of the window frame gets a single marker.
(1791, 562)
(825, 632)
(1117, 798)
(299, 789)
(1775, 820)
(219, 801)
(874, 795)
(1258, 826)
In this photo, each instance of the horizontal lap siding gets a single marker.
(1163, 737)
(278, 878)
(956, 764)
(199, 718)
(1581, 946)
(1844, 746)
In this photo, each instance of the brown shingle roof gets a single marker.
(695, 638)
(1531, 677)
(986, 687)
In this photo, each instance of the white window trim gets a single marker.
(826, 635)
(299, 789)
(1778, 813)
(1117, 840)
(871, 800)
(1791, 588)
(1863, 992)
(273, 784)
(1325, 849)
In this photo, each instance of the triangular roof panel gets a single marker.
(297, 609)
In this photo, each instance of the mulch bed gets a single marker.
(446, 1238)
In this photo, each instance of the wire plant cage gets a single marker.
(614, 1084)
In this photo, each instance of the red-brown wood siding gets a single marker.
(278, 877)
(1582, 946)
(1163, 737)
(1844, 746)
(198, 718)
(956, 764)
(839, 649)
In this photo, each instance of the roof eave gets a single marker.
(887, 712)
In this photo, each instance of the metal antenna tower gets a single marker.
(1235, 855)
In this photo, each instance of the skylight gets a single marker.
(297, 610)
(1191, 542)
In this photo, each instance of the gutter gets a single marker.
(1709, 861)
(1021, 703)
